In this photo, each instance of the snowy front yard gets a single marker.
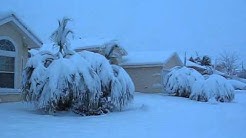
(151, 115)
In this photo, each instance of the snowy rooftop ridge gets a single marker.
(11, 16)
(85, 43)
(147, 58)
(192, 64)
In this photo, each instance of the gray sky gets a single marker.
(205, 26)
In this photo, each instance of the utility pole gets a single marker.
(185, 59)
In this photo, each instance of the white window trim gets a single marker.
(10, 54)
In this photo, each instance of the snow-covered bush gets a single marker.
(238, 85)
(215, 87)
(178, 82)
(82, 82)
(61, 84)
(115, 82)
(124, 87)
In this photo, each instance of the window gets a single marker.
(7, 64)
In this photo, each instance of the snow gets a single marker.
(238, 85)
(100, 65)
(192, 64)
(146, 57)
(179, 81)
(215, 88)
(151, 115)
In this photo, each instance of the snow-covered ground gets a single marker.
(151, 115)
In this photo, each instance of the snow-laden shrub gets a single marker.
(116, 84)
(85, 83)
(215, 87)
(178, 82)
(62, 84)
(102, 67)
(124, 87)
(238, 85)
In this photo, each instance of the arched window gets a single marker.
(7, 63)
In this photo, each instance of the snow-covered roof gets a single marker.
(11, 17)
(147, 58)
(88, 43)
(192, 64)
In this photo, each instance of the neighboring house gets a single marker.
(15, 41)
(111, 50)
(146, 68)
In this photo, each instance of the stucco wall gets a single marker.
(146, 79)
(8, 31)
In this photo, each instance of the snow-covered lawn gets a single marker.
(151, 115)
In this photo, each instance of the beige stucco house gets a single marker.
(146, 68)
(15, 41)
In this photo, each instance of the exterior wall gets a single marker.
(146, 79)
(7, 31)
(10, 98)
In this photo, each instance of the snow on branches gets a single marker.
(178, 82)
(186, 82)
(214, 88)
(83, 82)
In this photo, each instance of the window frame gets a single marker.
(14, 55)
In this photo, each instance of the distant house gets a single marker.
(146, 68)
(111, 50)
(15, 41)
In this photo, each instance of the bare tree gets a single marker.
(227, 62)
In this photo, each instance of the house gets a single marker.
(111, 50)
(15, 41)
(146, 68)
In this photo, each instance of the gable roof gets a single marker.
(149, 58)
(6, 18)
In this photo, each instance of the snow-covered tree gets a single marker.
(124, 86)
(206, 61)
(178, 82)
(60, 37)
(215, 87)
(82, 82)
(116, 84)
(62, 84)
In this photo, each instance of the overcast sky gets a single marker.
(205, 26)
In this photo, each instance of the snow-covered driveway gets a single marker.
(151, 115)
